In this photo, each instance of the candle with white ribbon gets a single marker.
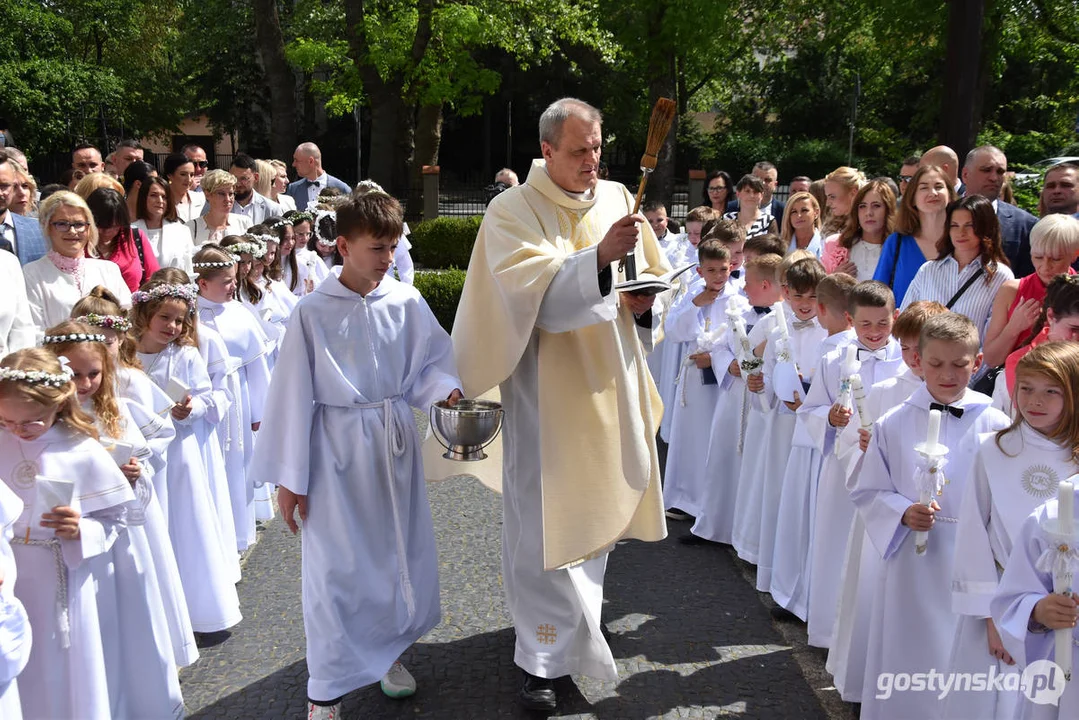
(925, 492)
(781, 320)
(1062, 577)
(858, 390)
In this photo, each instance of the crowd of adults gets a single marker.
(942, 230)
(115, 220)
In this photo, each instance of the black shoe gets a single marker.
(691, 539)
(605, 633)
(678, 514)
(784, 615)
(537, 693)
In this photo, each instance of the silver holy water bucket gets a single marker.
(466, 428)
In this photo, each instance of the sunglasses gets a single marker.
(200, 164)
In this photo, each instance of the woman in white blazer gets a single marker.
(170, 238)
(57, 281)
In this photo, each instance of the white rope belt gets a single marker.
(394, 447)
(63, 619)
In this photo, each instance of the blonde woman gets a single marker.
(801, 224)
(219, 187)
(93, 181)
(59, 280)
(840, 187)
(279, 185)
(23, 193)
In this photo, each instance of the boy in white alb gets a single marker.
(861, 569)
(798, 353)
(872, 311)
(363, 349)
(790, 579)
(715, 523)
(673, 352)
(912, 623)
(695, 322)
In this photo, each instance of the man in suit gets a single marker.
(248, 202)
(945, 158)
(87, 159)
(1060, 189)
(983, 174)
(768, 174)
(307, 159)
(126, 152)
(197, 155)
(18, 235)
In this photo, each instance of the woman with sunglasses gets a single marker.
(57, 281)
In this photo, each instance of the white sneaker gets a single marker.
(398, 682)
(323, 712)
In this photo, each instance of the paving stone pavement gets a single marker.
(692, 638)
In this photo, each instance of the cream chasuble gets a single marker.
(598, 406)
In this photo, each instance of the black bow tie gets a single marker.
(762, 310)
(955, 412)
(880, 354)
(802, 324)
(309, 183)
(736, 274)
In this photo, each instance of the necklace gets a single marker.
(26, 472)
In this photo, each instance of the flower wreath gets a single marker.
(118, 323)
(187, 292)
(72, 337)
(39, 377)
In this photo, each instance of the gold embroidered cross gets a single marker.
(546, 634)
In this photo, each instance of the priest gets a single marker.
(540, 317)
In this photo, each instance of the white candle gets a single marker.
(1066, 508)
(933, 435)
(781, 319)
(852, 357)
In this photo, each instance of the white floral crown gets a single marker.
(267, 239)
(188, 292)
(278, 223)
(300, 216)
(72, 337)
(119, 323)
(255, 249)
(319, 217)
(39, 377)
(218, 264)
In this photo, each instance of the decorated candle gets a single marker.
(1062, 576)
(781, 319)
(933, 435)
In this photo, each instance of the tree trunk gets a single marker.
(428, 139)
(663, 84)
(387, 116)
(279, 76)
(963, 67)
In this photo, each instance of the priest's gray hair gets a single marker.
(556, 114)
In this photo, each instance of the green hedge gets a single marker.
(442, 291)
(444, 242)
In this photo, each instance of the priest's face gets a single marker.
(573, 163)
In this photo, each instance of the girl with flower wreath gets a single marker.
(165, 332)
(246, 345)
(142, 675)
(148, 407)
(271, 315)
(1012, 492)
(301, 268)
(75, 500)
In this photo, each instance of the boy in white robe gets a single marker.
(872, 311)
(730, 421)
(695, 322)
(799, 286)
(790, 579)
(340, 440)
(660, 363)
(850, 633)
(911, 622)
(1028, 612)
(15, 632)
(675, 353)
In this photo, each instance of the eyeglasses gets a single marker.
(63, 226)
(717, 188)
(906, 178)
(301, 235)
(200, 164)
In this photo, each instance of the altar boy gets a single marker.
(799, 285)
(912, 624)
(362, 349)
(715, 523)
(872, 312)
(697, 313)
(790, 580)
